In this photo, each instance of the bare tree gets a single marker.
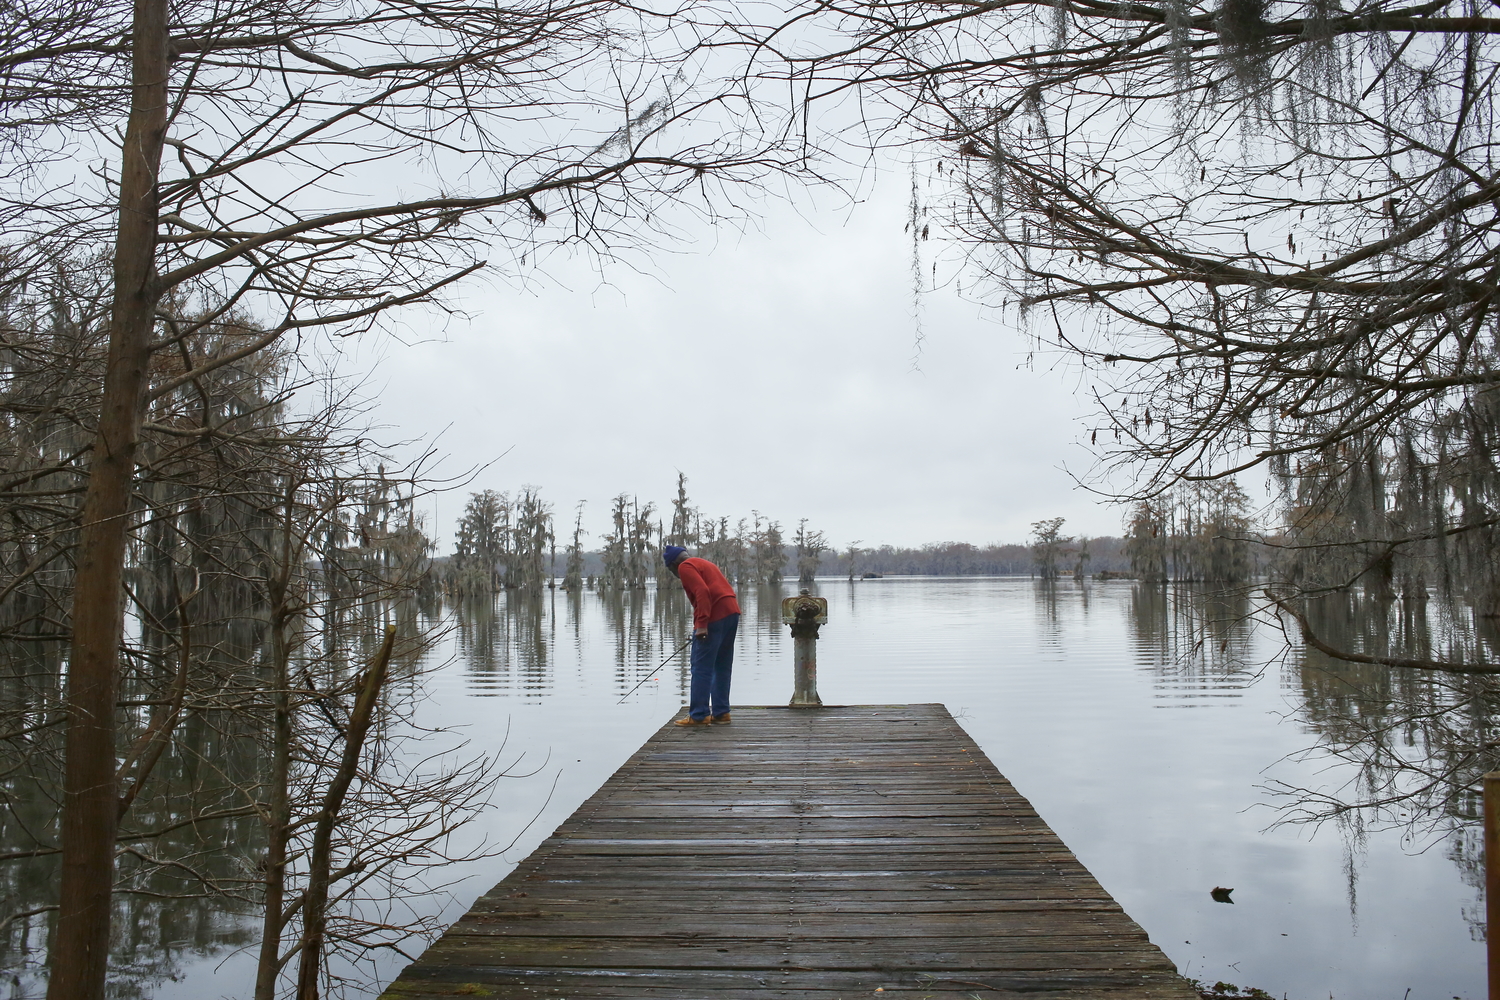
(1206, 214)
(616, 575)
(1197, 531)
(348, 825)
(1081, 558)
(682, 531)
(1265, 232)
(533, 539)
(482, 555)
(268, 547)
(1265, 235)
(767, 554)
(573, 575)
(641, 552)
(1048, 546)
(1147, 539)
(810, 548)
(328, 163)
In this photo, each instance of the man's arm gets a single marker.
(697, 591)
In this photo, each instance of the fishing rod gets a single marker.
(648, 677)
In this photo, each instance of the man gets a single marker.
(716, 618)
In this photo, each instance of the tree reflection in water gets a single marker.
(674, 623)
(632, 638)
(169, 913)
(1197, 637)
(1409, 747)
(1406, 748)
(505, 641)
(1417, 742)
(192, 873)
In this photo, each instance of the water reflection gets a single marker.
(1196, 639)
(174, 912)
(506, 642)
(1061, 681)
(1419, 740)
(191, 875)
(633, 637)
(1044, 667)
(761, 631)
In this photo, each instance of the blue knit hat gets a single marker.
(671, 552)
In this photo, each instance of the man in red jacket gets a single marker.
(716, 618)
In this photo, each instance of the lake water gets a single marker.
(1150, 728)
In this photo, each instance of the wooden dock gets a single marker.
(825, 853)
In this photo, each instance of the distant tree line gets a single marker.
(933, 559)
(966, 559)
(506, 542)
(1203, 531)
(509, 542)
(1196, 532)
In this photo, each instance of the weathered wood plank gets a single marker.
(826, 854)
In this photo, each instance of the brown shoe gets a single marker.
(690, 721)
(722, 718)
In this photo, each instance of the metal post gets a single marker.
(804, 613)
(805, 666)
(1492, 879)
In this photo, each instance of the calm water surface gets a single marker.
(1154, 765)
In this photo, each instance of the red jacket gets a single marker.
(711, 594)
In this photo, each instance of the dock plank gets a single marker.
(829, 853)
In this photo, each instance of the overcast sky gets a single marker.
(775, 367)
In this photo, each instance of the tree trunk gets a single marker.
(80, 949)
(279, 809)
(320, 862)
(278, 822)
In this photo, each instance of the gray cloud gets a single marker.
(775, 368)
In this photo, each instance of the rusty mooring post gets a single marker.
(1492, 879)
(804, 613)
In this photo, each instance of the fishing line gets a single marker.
(649, 676)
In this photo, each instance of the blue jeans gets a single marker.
(713, 658)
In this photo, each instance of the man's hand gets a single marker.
(702, 633)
